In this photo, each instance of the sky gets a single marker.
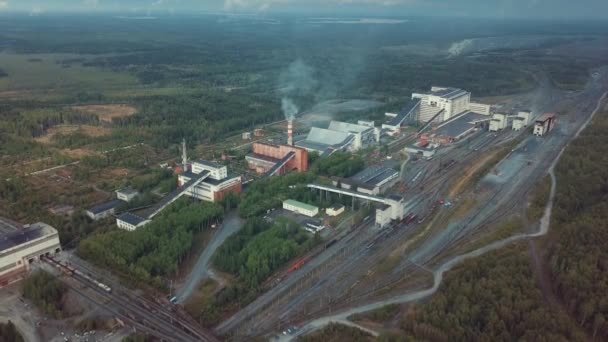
(597, 9)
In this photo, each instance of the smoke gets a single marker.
(289, 108)
(296, 81)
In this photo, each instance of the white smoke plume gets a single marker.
(297, 80)
(289, 108)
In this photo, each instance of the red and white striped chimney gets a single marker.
(290, 132)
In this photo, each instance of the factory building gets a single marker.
(544, 124)
(522, 120)
(265, 157)
(441, 104)
(393, 208)
(371, 181)
(300, 208)
(127, 194)
(21, 247)
(216, 184)
(454, 129)
(103, 210)
(498, 122)
(130, 221)
(339, 136)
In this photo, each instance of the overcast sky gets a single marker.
(474, 8)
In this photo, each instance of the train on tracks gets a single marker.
(72, 272)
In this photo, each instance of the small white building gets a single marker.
(300, 208)
(20, 248)
(335, 210)
(103, 210)
(522, 120)
(130, 221)
(127, 194)
(383, 214)
(246, 136)
(498, 122)
(216, 184)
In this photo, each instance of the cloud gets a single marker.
(3, 4)
(267, 4)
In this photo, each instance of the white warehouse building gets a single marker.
(300, 208)
(216, 184)
(24, 246)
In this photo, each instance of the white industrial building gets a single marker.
(300, 208)
(215, 184)
(438, 105)
(21, 247)
(521, 121)
(373, 180)
(339, 136)
(498, 122)
(127, 194)
(103, 210)
(130, 221)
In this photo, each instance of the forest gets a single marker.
(146, 255)
(46, 292)
(578, 254)
(339, 164)
(9, 333)
(254, 253)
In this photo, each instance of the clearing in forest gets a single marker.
(92, 131)
(107, 112)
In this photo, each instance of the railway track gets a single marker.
(144, 314)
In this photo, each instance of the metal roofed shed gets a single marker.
(127, 194)
(459, 126)
(335, 210)
(300, 208)
(130, 221)
(103, 210)
(375, 179)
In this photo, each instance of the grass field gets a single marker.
(32, 72)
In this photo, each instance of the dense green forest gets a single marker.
(335, 332)
(339, 164)
(491, 298)
(578, 254)
(252, 255)
(9, 333)
(46, 292)
(156, 250)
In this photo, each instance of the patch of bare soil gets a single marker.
(107, 112)
(78, 153)
(92, 131)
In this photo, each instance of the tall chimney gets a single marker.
(184, 156)
(290, 132)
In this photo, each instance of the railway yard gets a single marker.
(370, 266)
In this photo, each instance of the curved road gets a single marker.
(448, 265)
(232, 224)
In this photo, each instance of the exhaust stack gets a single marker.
(290, 132)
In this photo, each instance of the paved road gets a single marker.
(449, 264)
(232, 224)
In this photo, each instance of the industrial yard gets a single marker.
(212, 204)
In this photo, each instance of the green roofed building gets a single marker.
(300, 208)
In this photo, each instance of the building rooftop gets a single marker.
(220, 181)
(374, 175)
(131, 218)
(7, 225)
(346, 127)
(382, 206)
(460, 124)
(301, 205)
(545, 117)
(395, 197)
(127, 191)
(337, 206)
(399, 118)
(22, 236)
(449, 93)
(103, 207)
(327, 137)
(209, 163)
(262, 157)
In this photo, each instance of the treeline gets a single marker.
(156, 250)
(339, 164)
(9, 333)
(253, 254)
(31, 123)
(259, 249)
(578, 259)
(46, 292)
(494, 298)
(201, 117)
(335, 332)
